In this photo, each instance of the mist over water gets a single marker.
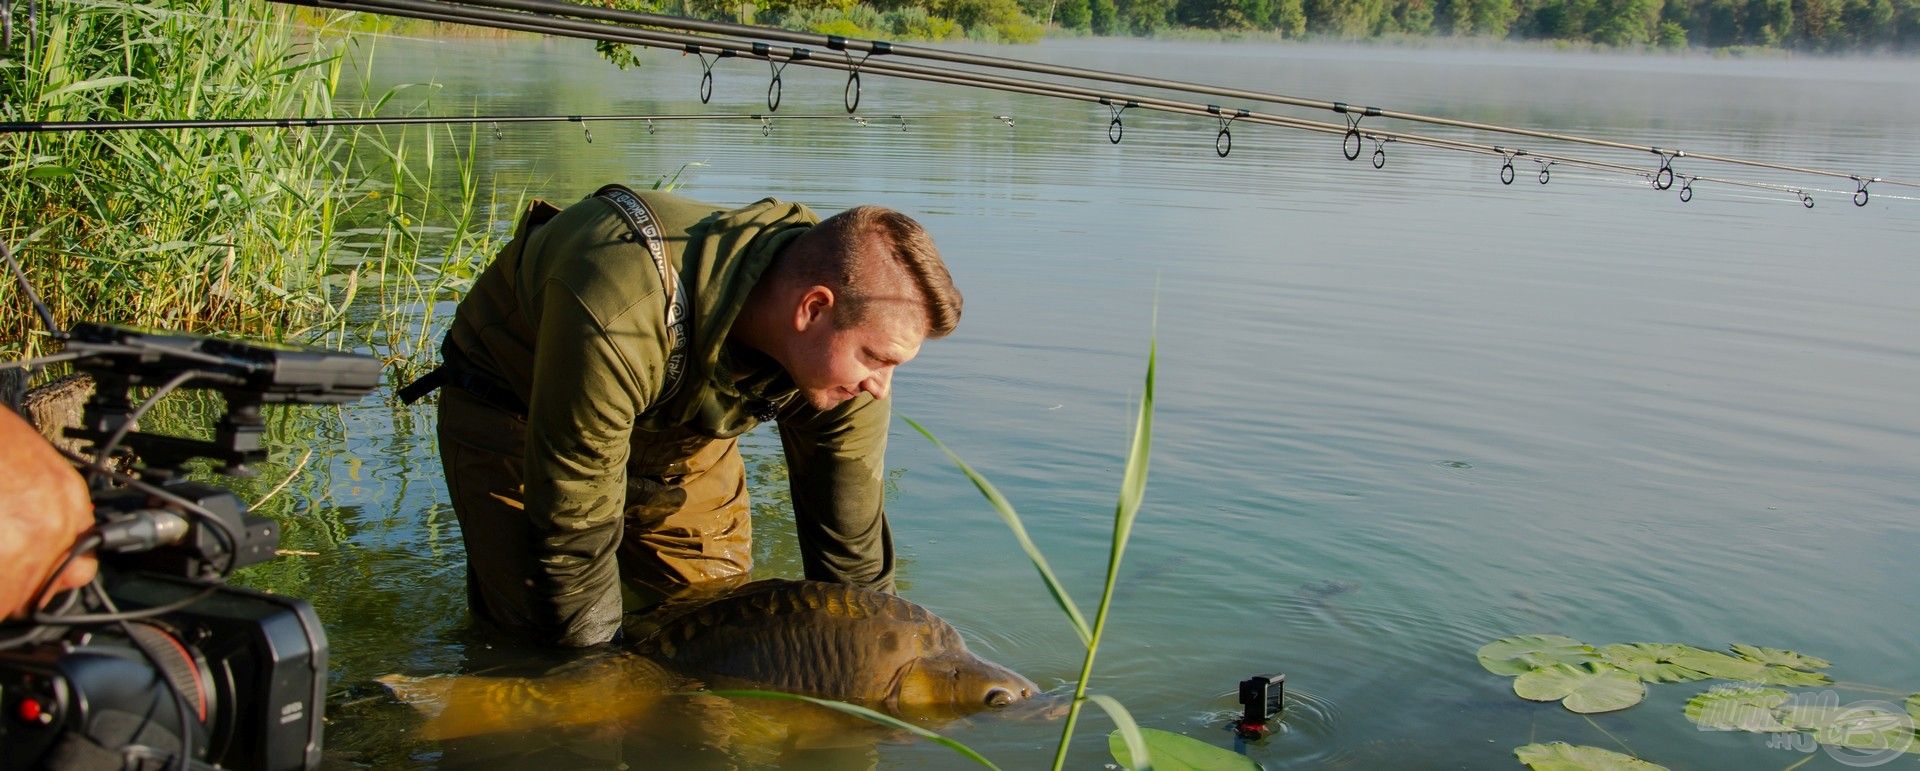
(1400, 413)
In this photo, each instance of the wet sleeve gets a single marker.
(836, 464)
(586, 391)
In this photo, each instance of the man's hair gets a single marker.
(874, 259)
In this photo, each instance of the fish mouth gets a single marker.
(1041, 706)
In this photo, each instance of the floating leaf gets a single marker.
(1779, 657)
(1726, 708)
(1652, 662)
(1725, 667)
(1871, 727)
(1525, 653)
(1586, 690)
(1913, 706)
(1173, 752)
(1561, 756)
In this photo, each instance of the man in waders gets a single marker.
(599, 373)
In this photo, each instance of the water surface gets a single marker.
(1401, 413)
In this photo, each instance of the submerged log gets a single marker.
(57, 405)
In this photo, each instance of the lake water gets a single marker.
(1400, 413)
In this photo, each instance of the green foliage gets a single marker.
(1652, 662)
(1776, 656)
(1738, 708)
(1173, 752)
(1583, 689)
(1561, 756)
(1869, 727)
(1105, 17)
(1525, 653)
(1075, 15)
(222, 229)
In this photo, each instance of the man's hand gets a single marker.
(44, 508)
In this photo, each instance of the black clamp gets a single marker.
(1546, 167)
(1350, 143)
(1380, 151)
(1663, 178)
(1686, 189)
(1114, 130)
(706, 69)
(1223, 141)
(1860, 194)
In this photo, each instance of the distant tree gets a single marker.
(1224, 14)
(1768, 22)
(1628, 22)
(1819, 23)
(1672, 35)
(1484, 17)
(1104, 17)
(1145, 17)
(1074, 14)
(1289, 18)
(1415, 17)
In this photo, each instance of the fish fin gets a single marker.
(428, 695)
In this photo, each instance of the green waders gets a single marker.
(685, 526)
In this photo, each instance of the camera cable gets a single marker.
(106, 448)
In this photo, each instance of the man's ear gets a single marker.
(815, 306)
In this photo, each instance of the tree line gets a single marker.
(1796, 24)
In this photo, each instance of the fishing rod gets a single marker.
(1353, 113)
(17, 127)
(1117, 104)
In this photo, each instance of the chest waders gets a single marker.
(685, 521)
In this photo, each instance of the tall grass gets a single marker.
(223, 229)
(257, 232)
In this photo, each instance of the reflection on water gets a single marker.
(1401, 413)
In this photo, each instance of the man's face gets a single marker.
(834, 365)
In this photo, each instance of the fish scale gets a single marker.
(824, 640)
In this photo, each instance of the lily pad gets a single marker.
(1725, 667)
(1865, 727)
(1913, 706)
(1173, 752)
(1585, 689)
(1652, 662)
(1738, 708)
(1776, 656)
(1525, 653)
(1561, 756)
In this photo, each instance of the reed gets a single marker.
(197, 230)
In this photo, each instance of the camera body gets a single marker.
(166, 666)
(249, 668)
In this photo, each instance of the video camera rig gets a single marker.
(158, 663)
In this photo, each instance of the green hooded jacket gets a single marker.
(571, 317)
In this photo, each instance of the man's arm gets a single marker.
(836, 466)
(587, 391)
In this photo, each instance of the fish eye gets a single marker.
(999, 697)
